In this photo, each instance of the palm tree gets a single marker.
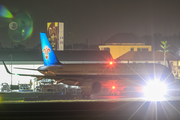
(164, 46)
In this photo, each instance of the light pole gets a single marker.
(72, 34)
(11, 70)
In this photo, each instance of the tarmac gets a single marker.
(96, 108)
(105, 110)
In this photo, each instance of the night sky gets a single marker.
(97, 19)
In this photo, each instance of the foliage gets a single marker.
(164, 46)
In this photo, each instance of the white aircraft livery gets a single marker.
(89, 76)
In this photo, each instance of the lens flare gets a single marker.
(4, 12)
(13, 25)
(155, 90)
(112, 86)
(21, 27)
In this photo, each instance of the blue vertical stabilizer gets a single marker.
(47, 51)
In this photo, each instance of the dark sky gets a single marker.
(97, 19)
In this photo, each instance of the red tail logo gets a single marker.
(46, 50)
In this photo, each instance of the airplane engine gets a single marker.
(90, 87)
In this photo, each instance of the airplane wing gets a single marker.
(26, 68)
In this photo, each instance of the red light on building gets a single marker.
(113, 87)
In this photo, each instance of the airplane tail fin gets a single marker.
(48, 54)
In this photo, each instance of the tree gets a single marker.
(165, 47)
(19, 47)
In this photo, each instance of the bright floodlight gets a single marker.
(113, 87)
(155, 90)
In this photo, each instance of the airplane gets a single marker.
(90, 76)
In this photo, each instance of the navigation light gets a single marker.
(111, 63)
(113, 87)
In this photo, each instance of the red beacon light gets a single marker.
(111, 62)
(113, 87)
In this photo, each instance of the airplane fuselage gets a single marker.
(117, 69)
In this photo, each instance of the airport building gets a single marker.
(55, 34)
(128, 48)
(152, 57)
(122, 43)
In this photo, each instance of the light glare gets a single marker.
(110, 62)
(155, 90)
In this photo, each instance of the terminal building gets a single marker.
(128, 48)
(122, 43)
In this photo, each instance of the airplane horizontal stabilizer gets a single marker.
(21, 74)
(29, 69)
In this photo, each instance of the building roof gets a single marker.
(124, 38)
(80, 55)
(145, 56)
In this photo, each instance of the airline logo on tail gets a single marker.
(49, 57)
(46, 50)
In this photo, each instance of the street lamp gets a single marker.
(72, 34)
